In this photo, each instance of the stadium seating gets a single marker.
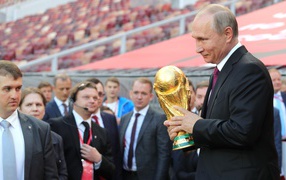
(83, 21)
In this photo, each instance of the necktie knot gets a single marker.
(215, 76)
(95, 119)
(137, 115)
(86, 125)
(5, 124)
(216, 71)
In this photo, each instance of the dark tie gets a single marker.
(86, 132)
(95, 119)
(65, 109)
(215, 76)
(130, 152)
(8, 153)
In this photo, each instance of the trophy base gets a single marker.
(183, 141)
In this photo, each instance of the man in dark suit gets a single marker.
(59, 105)
(235, 132)
(144, 141)
(84, 147)
(29, 139)
(107, 121)
(279, 102)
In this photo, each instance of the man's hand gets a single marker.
(181, 123)
(90, 153)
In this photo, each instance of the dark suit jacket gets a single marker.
(184, 164)
(277, 136)
(60, 157)
(110, 125)
(40, 160)
(153, 149)
(67, 129)
(236, 137)
(53, 111)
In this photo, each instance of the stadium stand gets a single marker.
(83, 21)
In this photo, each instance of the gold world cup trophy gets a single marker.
(172, 88)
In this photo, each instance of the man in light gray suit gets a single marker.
(30, 155)
(145, 145)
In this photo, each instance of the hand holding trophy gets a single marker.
(172, 88)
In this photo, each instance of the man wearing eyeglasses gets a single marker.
(107, 121)
(87, 146)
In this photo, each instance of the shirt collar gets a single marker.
(278, 93)
(224, 60)
(12, 118)
(79, 119)
(60, 103)
(142, 111)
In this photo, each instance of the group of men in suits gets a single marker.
(109, 140)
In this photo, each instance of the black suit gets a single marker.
(66, 127)
(236, 137)
(153, 148)
(40, 160)
(110, 124)
(184, 164)
(60, 157)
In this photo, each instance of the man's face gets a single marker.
(111, 89)
(87, 98)
(47, 92)
(10, 93)
(212, 46)
(101, 93)
(62, 89)
(200, 97)
(141, 95)
(276, 81)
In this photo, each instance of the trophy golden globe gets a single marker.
(172, 88)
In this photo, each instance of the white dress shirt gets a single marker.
(127, 137)
(19, 144)
(81, 128)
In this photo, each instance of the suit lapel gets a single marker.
(147, 120)
(95, 139)
(70, 121)
(27, 130)
(105, 121)
(123, 128)
(56, 109)
(234, 58)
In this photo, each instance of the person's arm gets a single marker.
(63, 172)
(164, 148)
(241, 108)
(102, 158)
(50, 167)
